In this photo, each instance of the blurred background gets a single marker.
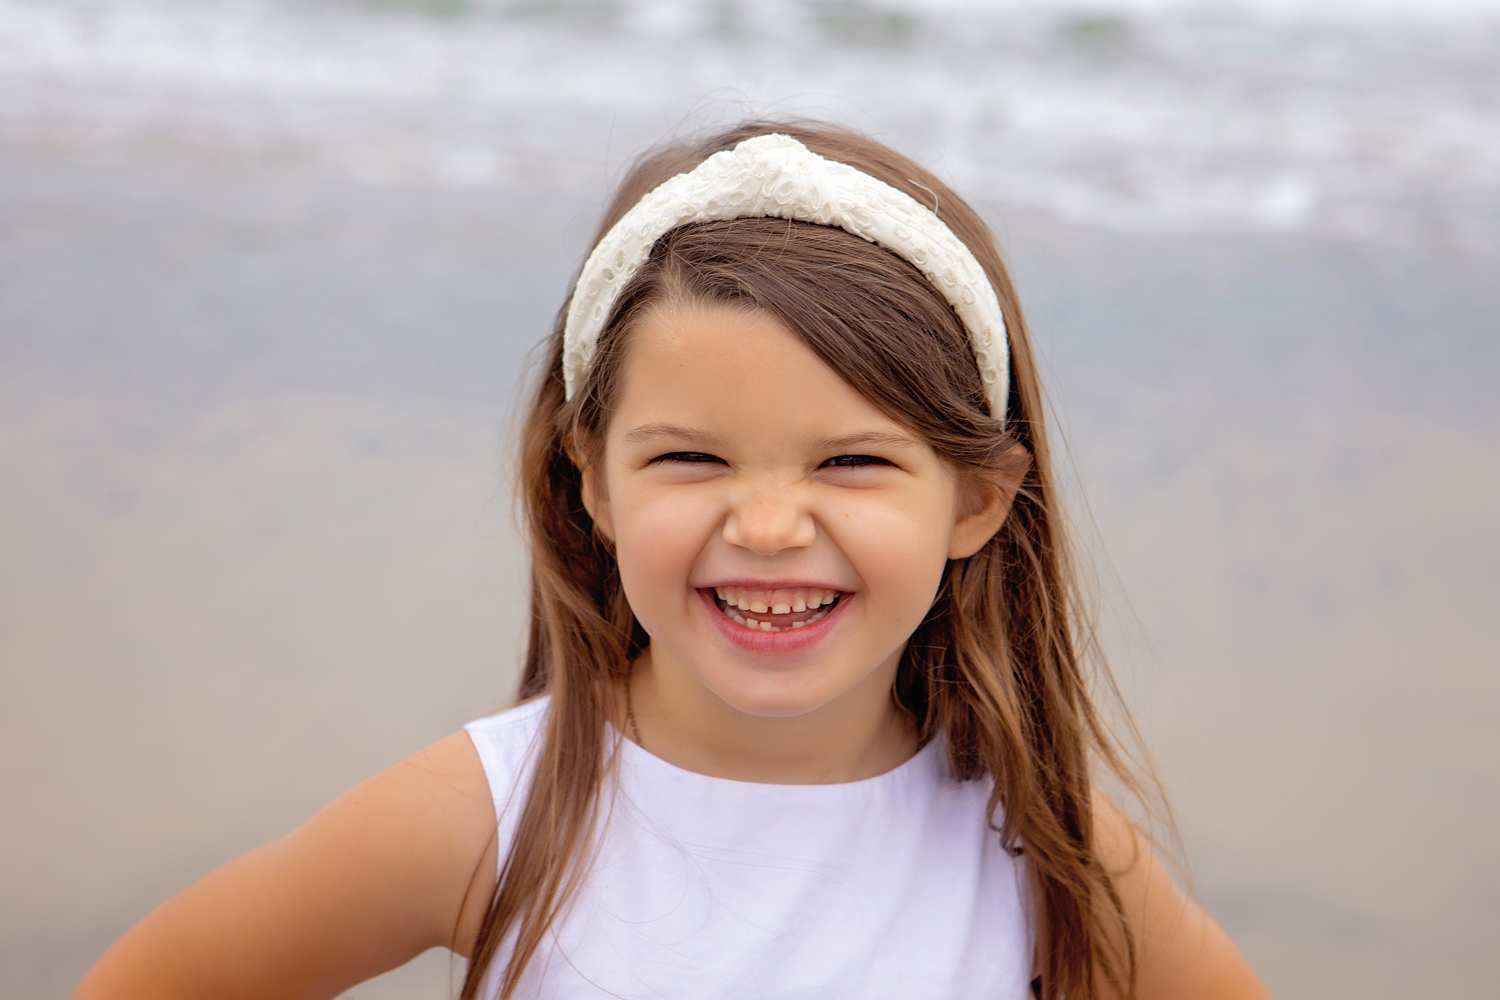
(271, 274)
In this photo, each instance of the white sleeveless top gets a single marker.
(709, 889)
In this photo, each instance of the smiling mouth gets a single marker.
(776, 610)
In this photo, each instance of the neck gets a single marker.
(858, 735)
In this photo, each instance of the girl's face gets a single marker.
(778, 537)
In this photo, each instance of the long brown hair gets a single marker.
(997, 665)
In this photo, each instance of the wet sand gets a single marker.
(255, 540)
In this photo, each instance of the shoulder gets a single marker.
(402, 862)
(1181, 952)
(504, 744)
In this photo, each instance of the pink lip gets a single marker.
(782, 643)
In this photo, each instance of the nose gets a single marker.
(768, 516)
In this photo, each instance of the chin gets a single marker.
(772, 698)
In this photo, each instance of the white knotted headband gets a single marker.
(776, 176)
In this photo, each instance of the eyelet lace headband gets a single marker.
(776, 176)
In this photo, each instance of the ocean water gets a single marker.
(270, 279)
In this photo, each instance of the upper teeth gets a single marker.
(777, 602)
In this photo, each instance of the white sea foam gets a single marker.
(1341, 118)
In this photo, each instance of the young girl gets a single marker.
(804, 712)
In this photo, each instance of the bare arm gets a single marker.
(1182, 953)
(399, 864)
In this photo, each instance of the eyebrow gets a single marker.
(877, 438)
(654, 432)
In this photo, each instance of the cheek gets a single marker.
(657, 540)
(899, 550)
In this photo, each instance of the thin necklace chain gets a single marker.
(635, 733)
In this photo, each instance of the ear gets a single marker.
(985, 503)
(595, 496)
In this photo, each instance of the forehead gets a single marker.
(704, 363)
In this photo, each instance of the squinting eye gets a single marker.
(853, 461)
(689, 457)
